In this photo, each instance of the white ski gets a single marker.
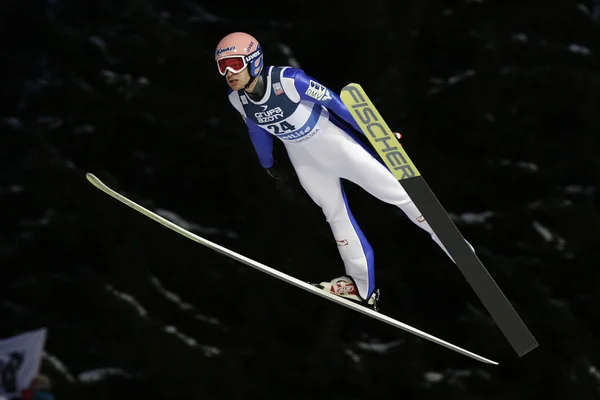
(280, 275)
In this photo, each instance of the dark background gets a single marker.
(498, 104)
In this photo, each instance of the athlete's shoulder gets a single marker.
(232, 95)
(234, 99)
(293, 72)
(300, 79)
(276, 70)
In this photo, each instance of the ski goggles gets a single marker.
(234, 64)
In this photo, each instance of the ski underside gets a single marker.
(280, 275)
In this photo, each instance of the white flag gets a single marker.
(20, 358)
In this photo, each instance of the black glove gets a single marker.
(281, 181)
(275, 173)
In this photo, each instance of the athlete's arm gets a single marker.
(262, 142)
(261, 139)
(310, 89)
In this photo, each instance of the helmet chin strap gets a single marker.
(259, 89)
(252, 78)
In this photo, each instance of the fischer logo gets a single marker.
(376, 130)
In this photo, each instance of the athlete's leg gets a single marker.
(326, 191)
(367, 172)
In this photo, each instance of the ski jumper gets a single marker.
(305, 115)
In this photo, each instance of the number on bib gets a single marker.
(281, 127)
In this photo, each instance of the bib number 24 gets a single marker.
(281, 127)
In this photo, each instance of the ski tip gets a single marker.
(91, 177)
(94, 180)
(353, 84)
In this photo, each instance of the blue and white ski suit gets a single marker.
(305, 116)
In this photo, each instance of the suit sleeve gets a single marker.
(262, 142)
(260, 138)
(310, 89)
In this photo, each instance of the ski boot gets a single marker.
(345, 287)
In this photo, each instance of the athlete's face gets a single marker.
(238, 81)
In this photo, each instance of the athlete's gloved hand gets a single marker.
(281, 181)
(275, 173)
(398, 136)
(281, 178)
